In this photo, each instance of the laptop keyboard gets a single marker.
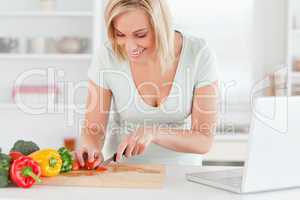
(231, 178)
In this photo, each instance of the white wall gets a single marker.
(248, 37)
(47, 130)
(227, 27)
(270, 35)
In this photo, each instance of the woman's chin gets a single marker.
(136, 59)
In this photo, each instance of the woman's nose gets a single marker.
(131, 45)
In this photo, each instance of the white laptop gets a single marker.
(273, 160)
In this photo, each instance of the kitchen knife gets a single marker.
(109, 160)
(113, 158)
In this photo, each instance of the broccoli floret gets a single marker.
(25, 147)
(4, 168)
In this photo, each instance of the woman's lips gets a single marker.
(137, 53)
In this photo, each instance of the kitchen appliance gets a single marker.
(273, 138)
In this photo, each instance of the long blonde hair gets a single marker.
(161, 22)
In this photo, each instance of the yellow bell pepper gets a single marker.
(49, 161)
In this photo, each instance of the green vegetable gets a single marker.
(25, 147)
(67, 159)
(4, 180)
(4, 161)
(4, 169)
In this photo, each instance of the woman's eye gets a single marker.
(141, 36)
(120, 35)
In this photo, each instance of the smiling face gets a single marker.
(134, 33)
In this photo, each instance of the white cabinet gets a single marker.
(24, 20)
(28, 25)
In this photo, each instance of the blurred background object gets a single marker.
(65, 44)
(72, 45)
(297, 65)
(47, 5)
(8, 45)
(70, 143)
(31, 95)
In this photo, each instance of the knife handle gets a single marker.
(115, 156)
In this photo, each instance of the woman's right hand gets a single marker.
(89, 155)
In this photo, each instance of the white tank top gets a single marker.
(197, 67)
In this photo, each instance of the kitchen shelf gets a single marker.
(46, 14)
(46, 56)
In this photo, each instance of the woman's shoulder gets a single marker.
(195, 45)
(202, 59)
(197, 51)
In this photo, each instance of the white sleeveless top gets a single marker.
(197, 67)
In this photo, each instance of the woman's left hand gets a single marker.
(135, 143)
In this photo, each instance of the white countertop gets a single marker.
(176, 187)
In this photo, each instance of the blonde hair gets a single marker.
(160, 19)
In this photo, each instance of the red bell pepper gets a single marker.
(25, 172)
(14, 155)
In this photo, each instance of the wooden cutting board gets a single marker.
(117, 175)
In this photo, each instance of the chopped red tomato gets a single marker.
(101, 169)
(89, 165)
(76, 165)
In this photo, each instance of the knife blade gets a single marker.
(109, 160)
(113, 158)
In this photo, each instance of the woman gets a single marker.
(157, 77)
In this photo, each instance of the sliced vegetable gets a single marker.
(24, 172)
(76, 165)
(87, 164)
(49, 160)
(101, 169)
(25, 147)
(67, 160)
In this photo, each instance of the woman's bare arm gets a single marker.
(96, 119)
(200, 137)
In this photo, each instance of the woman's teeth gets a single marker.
(138, 52)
